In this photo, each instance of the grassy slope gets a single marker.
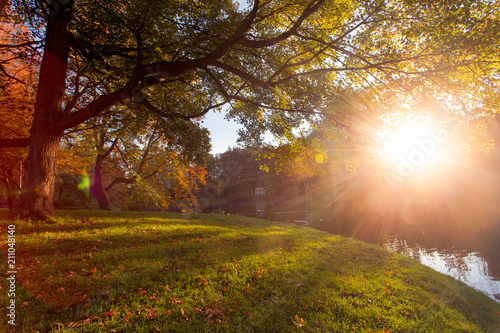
(145, 272)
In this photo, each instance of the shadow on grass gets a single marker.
(68, 264)
(205, 273)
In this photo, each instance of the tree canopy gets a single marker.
(127, 147)
(277, 64)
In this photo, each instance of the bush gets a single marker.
(68, 193)
(142, 196)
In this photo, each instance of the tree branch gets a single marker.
(244, 75)
(2, 69)
(380, 65)
(113, 145)
(76, 96)
(3, 3)
(9, 143)
(313, 7)
(146, 151)
(268, 107)
(15, 46)
(175, 115)
(103, 102)
(217, 82)
(118, 181)
(123, 180)
(141, 78)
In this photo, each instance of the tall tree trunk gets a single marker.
(97, 189)
(11, 202)
(36, 200)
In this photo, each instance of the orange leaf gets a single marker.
(110, 313)
(299, 322)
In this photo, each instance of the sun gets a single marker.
(406, 139)
(410, 147)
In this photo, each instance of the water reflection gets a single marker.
(468, 265)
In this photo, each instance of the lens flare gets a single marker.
(84, 185)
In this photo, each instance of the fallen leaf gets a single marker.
(299, 322)
(110, 313)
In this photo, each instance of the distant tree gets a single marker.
(139, 152)
(234, 177)
(173, 189)
(17, 94)
(276, 63)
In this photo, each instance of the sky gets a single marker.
(223, 132)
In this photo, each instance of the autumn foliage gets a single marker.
(17, 88)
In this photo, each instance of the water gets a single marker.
(468, 265)
(467, 252)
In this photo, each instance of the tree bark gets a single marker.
(10, 202)
(36, 200)
(97, 189)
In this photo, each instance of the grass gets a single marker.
(151, 272)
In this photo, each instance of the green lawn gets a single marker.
(151, 272)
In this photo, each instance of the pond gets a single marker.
(470, 257)
(468, 252)
(468, 265)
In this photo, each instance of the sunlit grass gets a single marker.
(146, 272)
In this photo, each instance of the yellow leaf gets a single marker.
(299, 322)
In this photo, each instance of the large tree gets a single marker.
(275, 63)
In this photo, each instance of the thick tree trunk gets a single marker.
(11, 201)
(97, 189)
(36, 200)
